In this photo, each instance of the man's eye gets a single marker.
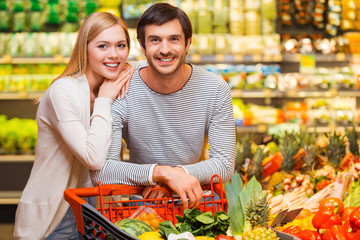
(175, 39)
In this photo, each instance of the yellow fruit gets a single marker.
(151, 236)
(204, 238)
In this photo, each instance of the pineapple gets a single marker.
(335, 150)
(289, 146)
(256, 168)
(258, 214)
(352, 137)
(311, 151)
(243, 154)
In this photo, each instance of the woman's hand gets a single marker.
(117, 88)
(125, 87)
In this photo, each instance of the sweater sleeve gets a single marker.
(88, 145)
(116, 171)
(221, 133)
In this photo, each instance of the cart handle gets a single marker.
(73, 196)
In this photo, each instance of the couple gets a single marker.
(164, 113)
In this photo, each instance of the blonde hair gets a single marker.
(93, 25)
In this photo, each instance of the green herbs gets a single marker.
(198, 223)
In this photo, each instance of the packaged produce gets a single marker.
(147, 215)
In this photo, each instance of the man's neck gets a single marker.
(166, 84)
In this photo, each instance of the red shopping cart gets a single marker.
(98, 223)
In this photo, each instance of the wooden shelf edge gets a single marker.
(17, 158)
(10, 197)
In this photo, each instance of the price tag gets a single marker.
(307, 63)
(196, 58)
(292, 93)
(257, 57)
(23, 95)
(220, 58)
(7, 59)
(236, 93)
(278, 58)
(58, 58)
(267, 93)
(268, 58)
(262, 128)
(340, 57)
(239, 58)
(333, 92)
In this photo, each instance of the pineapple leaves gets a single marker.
(239, 196)
(235, 212)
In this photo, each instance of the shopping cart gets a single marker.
(98, 223)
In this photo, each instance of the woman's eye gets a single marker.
(121, 45)
(102, 46)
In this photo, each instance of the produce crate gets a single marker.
(99, 223)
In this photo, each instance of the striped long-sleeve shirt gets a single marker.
(169, 129)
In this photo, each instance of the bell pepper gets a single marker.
(308, 234)
(335, 232)
(355, 219)
(346, 213)
(348, 229)
(293, 230)
(334, 203)
(324, 218)
(224, 237)
(356, 236)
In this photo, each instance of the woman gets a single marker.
(74, 127)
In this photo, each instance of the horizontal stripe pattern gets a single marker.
(169, 129)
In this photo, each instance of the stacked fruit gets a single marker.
(331, 221)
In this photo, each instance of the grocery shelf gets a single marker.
(17, 158)
(7, 59)
(22, 95)
(263, 128)
(236, 93)
(202, 58)
(268, 93)
(10, 197)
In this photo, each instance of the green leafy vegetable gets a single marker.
(198, 223)
(353, 198)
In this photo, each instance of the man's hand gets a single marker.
(156, 194)
(186, 186)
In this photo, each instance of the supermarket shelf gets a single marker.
(267, 93)
(202, 58)
(9, 197)
(263, 128)
(24, 95)
(7, 59)
(236, 93)
(16, 158)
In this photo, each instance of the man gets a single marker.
(171, 107)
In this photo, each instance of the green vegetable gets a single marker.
(353, 198)
(238, 196)
(134, 227)
(198, 223)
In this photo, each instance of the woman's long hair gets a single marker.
(93, 25)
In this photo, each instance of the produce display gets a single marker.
(317, 174)
(17, 136)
